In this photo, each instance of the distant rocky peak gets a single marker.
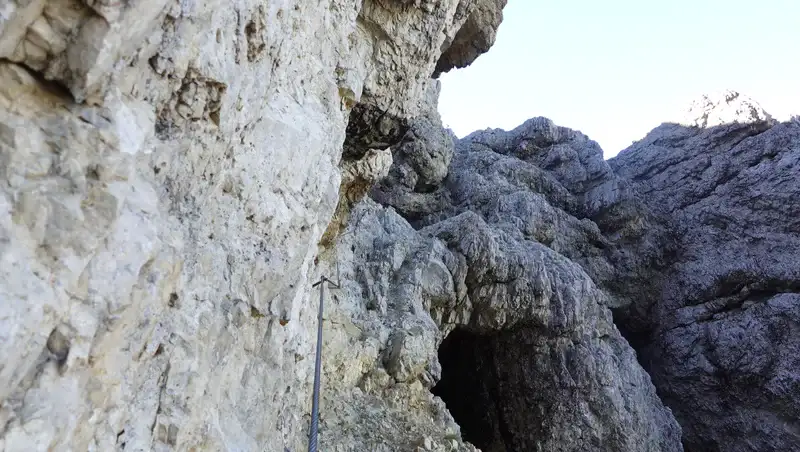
(724, 107)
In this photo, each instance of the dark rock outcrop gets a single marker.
(691, 237)
(721, 341)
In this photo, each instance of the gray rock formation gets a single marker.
(421, 161)
(689, 236)
(475, 37)
(175, 175)
(534, 361)
(168, 170)
(381, 339)
(718, 331)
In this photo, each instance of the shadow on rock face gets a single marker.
(370, 127)
(370, 131)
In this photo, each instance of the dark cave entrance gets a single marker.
(635, 333)
(490, 386)
(464, 388)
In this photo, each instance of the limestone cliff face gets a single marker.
(168, 169)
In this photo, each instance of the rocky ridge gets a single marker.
(534, 361)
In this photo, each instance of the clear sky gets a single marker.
(615, 69)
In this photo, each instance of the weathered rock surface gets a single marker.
(690, 236)
(534, 361)
(381, 339)
(421, 161)
(168, 169)
(720, 330)
(475, 37)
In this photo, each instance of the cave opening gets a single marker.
(635, 333)
(471, 388)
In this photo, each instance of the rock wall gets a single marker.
(534, 361)
(718, 331)
(689, 237)
(168, 169)
(176, 176)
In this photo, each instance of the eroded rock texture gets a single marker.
(475, 37)
(534, 361)
(168, 170)
(174, 177)
(719, 333)
(690, 236)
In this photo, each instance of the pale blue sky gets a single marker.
(615, 69)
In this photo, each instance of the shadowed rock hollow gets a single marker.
(688, 236)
